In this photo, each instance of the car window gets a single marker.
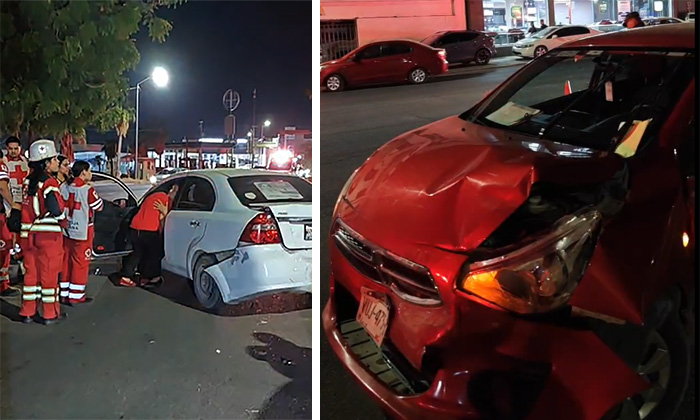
(395, 49)
(267, 189)
(468, 36)
(578, 30)
(432, 39)
(449, 39)
(563, 32)
(197, 194)
(373, 51)
(110, 191)
(591, 98)
(544, 32)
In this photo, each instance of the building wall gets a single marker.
(581, 12)
(411, 19)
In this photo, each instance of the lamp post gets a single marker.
(262, 129)
(160, 79)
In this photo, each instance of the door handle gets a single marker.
(194, 223)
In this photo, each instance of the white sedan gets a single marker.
(237, 234)
(549, 38)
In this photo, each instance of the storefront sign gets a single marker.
(516, 12)
(603, 7)
(623, 7)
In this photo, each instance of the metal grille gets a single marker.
(410, 281)
(338, 37)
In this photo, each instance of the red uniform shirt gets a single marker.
(148, 217)
(4, 176)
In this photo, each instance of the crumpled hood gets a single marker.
(451, 183)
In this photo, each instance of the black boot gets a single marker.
(57, 320)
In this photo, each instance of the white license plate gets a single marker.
(373, 314)
(307, 232)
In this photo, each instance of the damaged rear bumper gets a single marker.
(259, 270)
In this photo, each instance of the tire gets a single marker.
(335, 83)
(417, 76)
(672, 335)
(482, 57)
(205, 288)
(541, 50)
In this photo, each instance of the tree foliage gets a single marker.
(64, 62)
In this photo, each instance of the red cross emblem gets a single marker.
(18, 174)
(72, 204)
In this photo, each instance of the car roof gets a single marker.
(228, 172)
(652, 37)
(408, 41)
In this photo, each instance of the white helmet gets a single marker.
(42, 149)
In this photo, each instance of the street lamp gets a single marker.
(262, 129)
(160, 79)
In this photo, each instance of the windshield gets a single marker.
(589, 98)
(432, 38)
(268, 189)
(544, 33)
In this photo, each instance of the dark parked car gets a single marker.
(463, 46)
(533, 257)
(384, 62)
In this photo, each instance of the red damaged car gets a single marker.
(533, 257)
(384, 62)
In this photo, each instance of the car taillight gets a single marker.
(442, 54)
(261, 230)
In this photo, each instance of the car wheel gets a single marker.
(541, 50)
(417, 76)
(335, 83)
(205, 287)
(666, 366)
(482, 57)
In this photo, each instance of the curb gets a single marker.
(481, 69)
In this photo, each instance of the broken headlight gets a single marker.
(541, 275)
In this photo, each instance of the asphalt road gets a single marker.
(353, 125)
(134, 353)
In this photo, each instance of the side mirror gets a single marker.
(120, 202)
(554, 36)
(356, 58)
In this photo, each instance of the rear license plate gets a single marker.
(373, 314)
(307, 232)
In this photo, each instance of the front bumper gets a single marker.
(468, 361)
(258, 270)
(523, 52)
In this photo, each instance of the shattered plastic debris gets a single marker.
(218, 351)
(263, 321)
(252, 411)
(152, 341)
(287, 362)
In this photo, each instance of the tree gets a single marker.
(65, 62)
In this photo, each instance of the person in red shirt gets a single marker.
(82, 202)
(6, 240)
(146, 239)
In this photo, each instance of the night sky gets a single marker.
(220, 45)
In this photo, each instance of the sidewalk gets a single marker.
(495, 63)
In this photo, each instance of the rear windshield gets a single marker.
(268, 189)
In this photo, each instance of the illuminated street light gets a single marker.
(262, 129)
(160, 79)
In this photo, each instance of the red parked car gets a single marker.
(384, 62)
(533, 257)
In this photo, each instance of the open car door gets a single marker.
(112, 223)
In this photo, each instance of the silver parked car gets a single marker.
(236, 233)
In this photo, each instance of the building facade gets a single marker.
(348, 24)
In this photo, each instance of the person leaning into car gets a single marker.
(146, 238)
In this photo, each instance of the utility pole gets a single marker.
(251, 145)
